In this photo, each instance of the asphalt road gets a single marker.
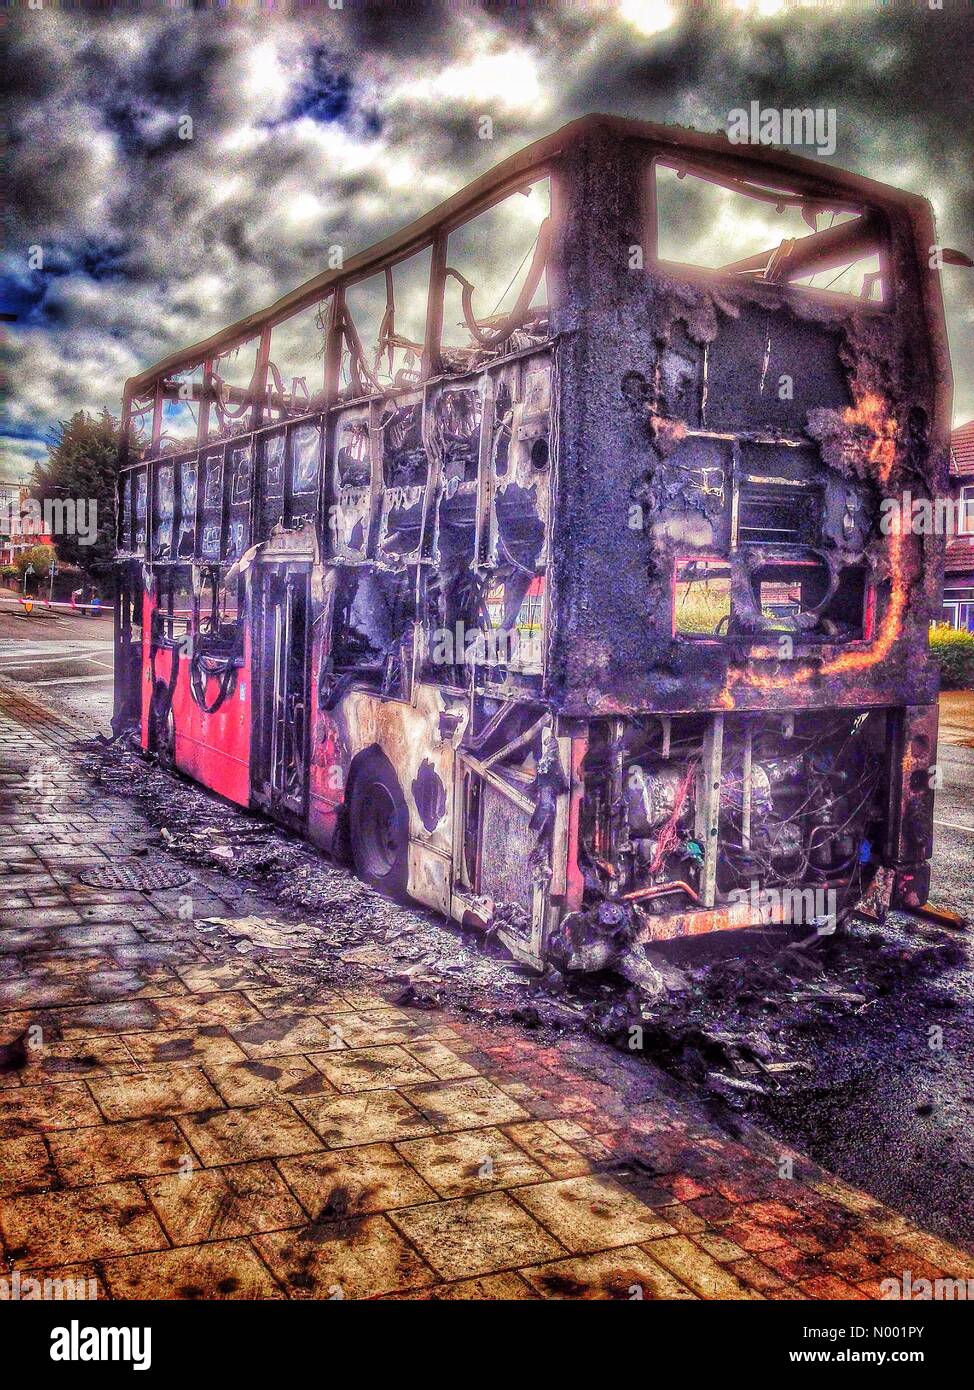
(952, 882)
(73, 673)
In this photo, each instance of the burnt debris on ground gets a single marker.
(745, 1016)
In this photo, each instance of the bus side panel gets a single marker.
(214, 749)
(328, 760)
(148, 607)
(422, 755)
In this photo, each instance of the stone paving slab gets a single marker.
(190, 1124)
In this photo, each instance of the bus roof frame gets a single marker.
(676, 142)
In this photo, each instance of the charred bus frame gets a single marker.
(587, 631)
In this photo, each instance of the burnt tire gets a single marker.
(378, 827)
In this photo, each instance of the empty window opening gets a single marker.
(271, 483)
(844, 617)
(515, 638)
(374, 612)
(354, 458)
(496, 280)
(804, 599)
(174, 612)
(456, 428)
(305, 466)
(519, 527)
(139, 429)
(296, 370)
(165, 511)
(781, 601)
(241, 471)
(125, 511)
(219, 629)
(188, 495)
(800, 597)
(240, 475)
(212, 538)
(141, 509)
(752, 230)
(180, 411)
(702, 598)
(234, 387)
(404, 460)
(385, 327)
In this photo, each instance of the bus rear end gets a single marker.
(743, 596)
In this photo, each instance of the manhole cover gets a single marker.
(141, 878)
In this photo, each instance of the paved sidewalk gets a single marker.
(192, 1122)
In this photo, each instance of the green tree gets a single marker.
(37, 556)
(82, 467)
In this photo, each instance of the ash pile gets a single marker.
(353, 928)
(745, 1016)
(762, 1014)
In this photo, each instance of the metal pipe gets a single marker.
(657, 890)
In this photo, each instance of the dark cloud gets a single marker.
(335, 125)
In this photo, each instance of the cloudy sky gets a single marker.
(337, 125)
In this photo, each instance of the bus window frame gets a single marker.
(689, 272)
(228, 641)
(164, 618)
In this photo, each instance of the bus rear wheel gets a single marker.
(378, 827)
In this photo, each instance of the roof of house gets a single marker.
(962, 451)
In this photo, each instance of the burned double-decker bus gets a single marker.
(547, 560)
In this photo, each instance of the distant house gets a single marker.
(12, 497)
(958, 607)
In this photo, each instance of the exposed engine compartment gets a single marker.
(783, 814)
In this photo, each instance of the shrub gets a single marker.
(40, 556)
(953, 650)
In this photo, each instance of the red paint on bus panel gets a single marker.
(148, 607)
(215, 748)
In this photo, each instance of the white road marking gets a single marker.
(66, 680)
(53, 651)
(952, 825)
(54, 661)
